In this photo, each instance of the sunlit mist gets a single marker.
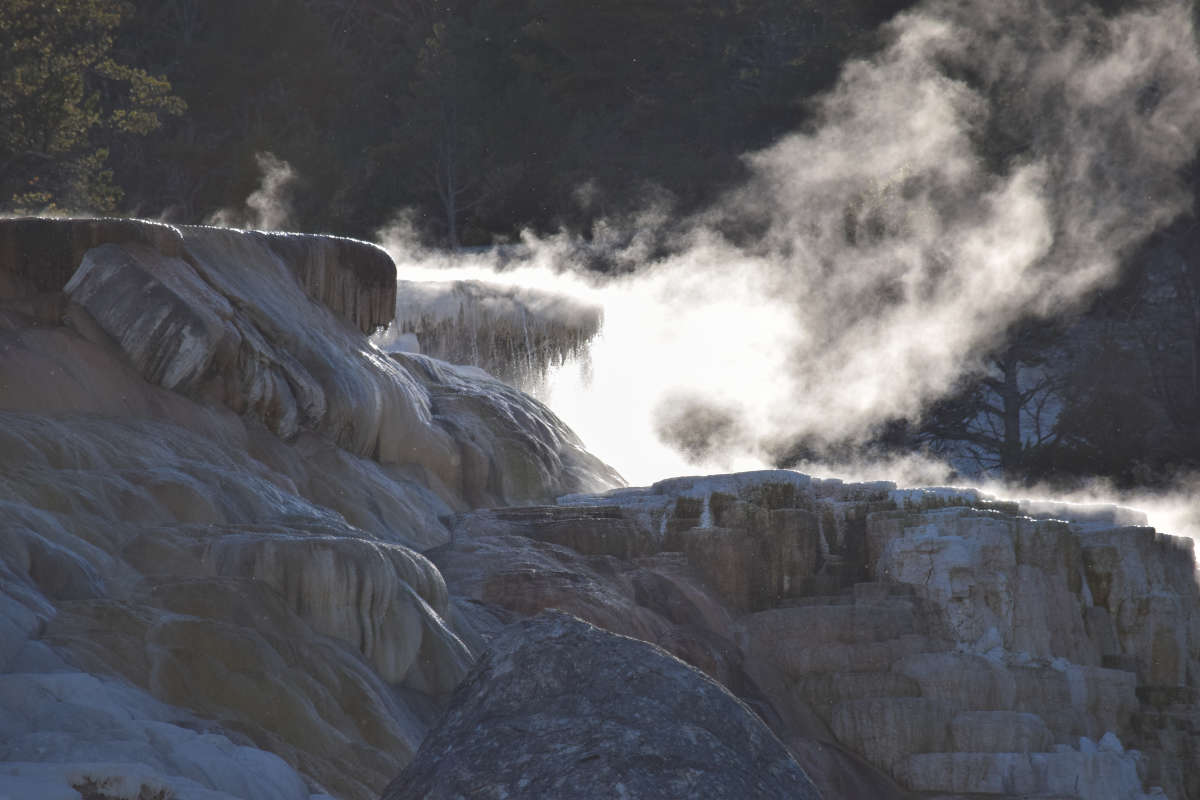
(871, 260)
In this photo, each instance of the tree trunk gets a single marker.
(1010, 454)
(451, 212)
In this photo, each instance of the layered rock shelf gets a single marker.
(514, 333)
(244, 553)
(902, 643)
(354, 279)
(215, 496)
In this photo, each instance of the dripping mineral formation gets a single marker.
(246, 554)
(514, 333)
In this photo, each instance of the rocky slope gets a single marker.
(244, 553)
(925, 642)
(215, 497)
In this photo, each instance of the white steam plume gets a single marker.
(269, 207)
(995, 160)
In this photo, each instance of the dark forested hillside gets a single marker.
(484, 115)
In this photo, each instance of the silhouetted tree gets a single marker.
(61, 90)
(1004, 420)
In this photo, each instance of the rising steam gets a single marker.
(995, 160)
(269, 207)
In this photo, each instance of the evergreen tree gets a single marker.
(61, 93)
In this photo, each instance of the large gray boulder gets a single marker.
(559, 708)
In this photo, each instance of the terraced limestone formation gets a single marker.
(926, 643)
(215, 496)
(246, 554)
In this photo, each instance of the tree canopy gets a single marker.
(484, 116)
(63, 96)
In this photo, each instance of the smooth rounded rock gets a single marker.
(558, 708)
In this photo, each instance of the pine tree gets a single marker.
(60, 89)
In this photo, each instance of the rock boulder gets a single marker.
(558, 708)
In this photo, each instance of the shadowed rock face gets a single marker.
(924, 641)
(270, 327)
(355, 279)
(40, 255)
(196, 573)
(213, 497)
(558, 708)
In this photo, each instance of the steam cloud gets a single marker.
(269, 207)
(996, 159)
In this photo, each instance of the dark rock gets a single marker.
(40, 254)
(754, 558)
(589, 530)
(357, 279)
(558, 708)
